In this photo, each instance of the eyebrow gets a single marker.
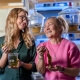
(49, 23)
(21, 15)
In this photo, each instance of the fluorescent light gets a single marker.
(15, 4)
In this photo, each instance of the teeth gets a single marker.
(49, 32)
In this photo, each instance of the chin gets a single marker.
(48, 36)
(22, 28)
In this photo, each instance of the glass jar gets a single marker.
(72, 16)
(13, 59)
(36, 22)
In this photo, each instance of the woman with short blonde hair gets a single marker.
(57, 58)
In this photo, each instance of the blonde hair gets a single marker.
(61, 23)
(64, 24)
(11, 28)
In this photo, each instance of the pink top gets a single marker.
(67, 55)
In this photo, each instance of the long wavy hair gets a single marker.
(11, 28)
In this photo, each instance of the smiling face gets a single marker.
(22, 20)
(51, 29)
(16, 22)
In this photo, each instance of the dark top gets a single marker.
(26, 55)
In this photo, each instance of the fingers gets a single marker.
(58, 67)
(15, 67)
(48, 66)
(5, 49)
(20, 63)
(51, 68)
(41, 50)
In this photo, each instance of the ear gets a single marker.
(60, 28)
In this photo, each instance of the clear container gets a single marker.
(13, 59)
(72, 16)
(36, 22)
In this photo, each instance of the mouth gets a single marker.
(23, 25)
(48, 32)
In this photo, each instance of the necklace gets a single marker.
(55, 52)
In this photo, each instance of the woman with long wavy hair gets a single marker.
(17, 39)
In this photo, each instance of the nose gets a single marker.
(47, 27)
(25, 22)
(24, 18)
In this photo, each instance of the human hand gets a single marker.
(5, 49)
(41, 50)
(55, 68)
(20, 63)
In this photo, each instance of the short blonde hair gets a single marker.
(61, 23)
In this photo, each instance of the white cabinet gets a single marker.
(3, 16)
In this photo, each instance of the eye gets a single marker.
(23, 18)
(50, 24)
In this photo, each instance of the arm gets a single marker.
(3, 60)
(71, 71)
(27, 66)
(4, 56)
(74, 58)
(31, 65)
(40, 64)
(74, 62)
(68, 71)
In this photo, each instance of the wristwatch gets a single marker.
(62, 70)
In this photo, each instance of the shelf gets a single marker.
(11, 5)
(42, 33)
(52, 0)
(9, 1)
(37, 34)
(5, 7)
(74, 31)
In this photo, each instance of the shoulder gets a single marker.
(1, 39)
(1, 42)
(69, 43)
(44, 43)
